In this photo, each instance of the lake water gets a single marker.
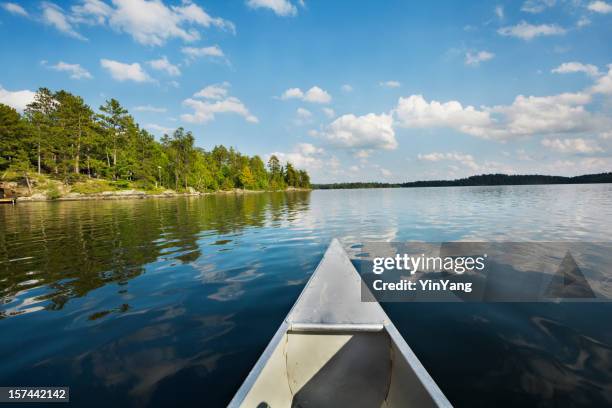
(165, 302)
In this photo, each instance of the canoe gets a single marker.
(335, 350)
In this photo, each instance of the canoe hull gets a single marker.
(325, 355)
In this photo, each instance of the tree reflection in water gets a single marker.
(68, 249)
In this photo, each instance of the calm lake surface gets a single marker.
(169, 302)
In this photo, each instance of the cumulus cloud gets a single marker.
(216, 101)
(125, 72)
(293, 93)
(571, 67)
(537, 6)
(317, 95)
(578, 145)
(149, 108)
(304, 156)
(162, 64)
(55, 16)
(603, 85)
(213, 51)
(545, 115)
(303, 113)
(313, 95)
(465, 159)
(526, 116)
(600, 7)
(14, 8)
(390, 84)
(149, 22)
(369, 131)
(215, 91)
(158, 129)
(415, 112)
(475, 58)
(16, 99)
(329, 112)
(281, 8)
(76, 71)
(526, 31)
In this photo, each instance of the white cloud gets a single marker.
(150, 22)
(91, 12)
(415, 112)
(329, 112)
(600, 7)
(149, 108)
(606, 135)
(293, 93)
(571, 67)
(216, 102)
(603, 85)
(526, 31)
(125, 72)
(362, 154)
(465, 159)
(303, 113)
(76, 71)
(309, 149)
(536, 6)
(162, 64)
(543, 115)
(390, 84)
(499, 11)
(15, 8)
(385, 172)
(577, 145)
(313, 95)
(369, 131)
(475, 58)
(303, 156)
(215, 91)
(281, 8)
(317, 95)
(526, 116)
(158, 129)
(16, 99)
(346, 88)
(583, 22)
(54, 16)
(195, 52)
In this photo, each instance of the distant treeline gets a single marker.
(481, 180)
(58, 134)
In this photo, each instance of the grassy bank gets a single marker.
(44, 188)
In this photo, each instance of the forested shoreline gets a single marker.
(479, 180)
(60, 136)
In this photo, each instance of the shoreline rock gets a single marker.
(138, 194)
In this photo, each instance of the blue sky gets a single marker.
(350, 90)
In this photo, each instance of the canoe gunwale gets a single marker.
(253, 375)
(330, 327)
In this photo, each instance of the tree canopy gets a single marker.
(60, 135)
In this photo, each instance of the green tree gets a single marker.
(13, 136)
(40, 114)
(247, 179)
(291, 177)
(114, 122)
(77, 122)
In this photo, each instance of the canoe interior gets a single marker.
(337, 369)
